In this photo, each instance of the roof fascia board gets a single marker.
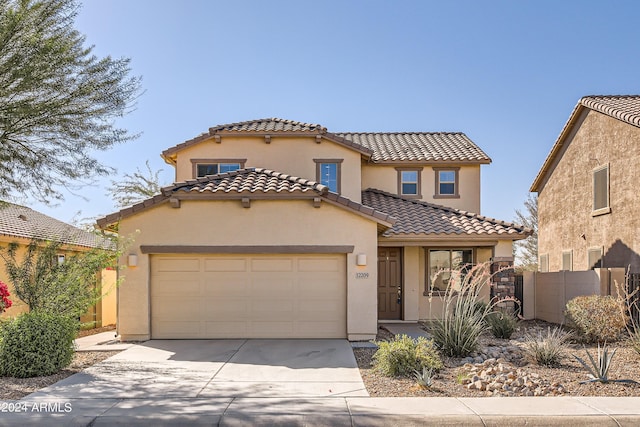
(279, 249)
(430, 162)
(564, 139)
(430, 241)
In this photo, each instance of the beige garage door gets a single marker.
(248, 296)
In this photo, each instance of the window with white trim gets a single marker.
(204, 169)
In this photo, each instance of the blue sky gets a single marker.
(506, 73)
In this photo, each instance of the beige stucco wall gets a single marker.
(292, 156)
(565, 202)
(385, 178)
(266, 222)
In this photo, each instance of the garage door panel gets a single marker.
(271, 264)
(178, 287)
(228, 286)
(318, 265)
(226, 329)
(226, 309)
(178, 329)
(249, 296)
(178, 265)
(225, 264)
(271, 287)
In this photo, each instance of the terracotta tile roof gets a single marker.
(621, 107)
(251, 180)
(247, 183)
(273, 124)
(380, 147)
(414, 217)
(419, 146)
(20, 221)
(267, 127)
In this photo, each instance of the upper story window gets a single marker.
(328, 172)
(601, 190)
(204, 167)
(409, 182)
(446, 182)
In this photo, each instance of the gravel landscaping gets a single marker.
(500, 369)
(17, 388)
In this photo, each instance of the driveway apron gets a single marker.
(218, 369)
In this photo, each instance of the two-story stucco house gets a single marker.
(587, 188)
(282, 229)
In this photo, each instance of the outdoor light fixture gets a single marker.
(133, 260)
(361, 259)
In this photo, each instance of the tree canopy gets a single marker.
(135, 187)
(527, 249)
(58, 101)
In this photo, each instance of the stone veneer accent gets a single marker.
(503, 281)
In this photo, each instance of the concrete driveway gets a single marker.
(219, 369)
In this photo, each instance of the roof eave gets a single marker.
(431, 162)
(548, 165)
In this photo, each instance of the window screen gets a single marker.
(601, 188)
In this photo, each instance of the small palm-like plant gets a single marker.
(424, 378)
(599, 369)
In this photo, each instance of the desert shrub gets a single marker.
(546, 350)
(402, 356)
(501, 324)
(36, 344)
(457, 332)
(597, 318)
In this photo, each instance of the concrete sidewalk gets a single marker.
(350, 411)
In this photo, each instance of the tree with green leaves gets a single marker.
(135, 187)
(49, 284)
(58, 100)
(527, 250)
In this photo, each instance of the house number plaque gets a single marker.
(362, 275)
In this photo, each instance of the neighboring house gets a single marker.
(588, 205)
(20, 224)
(276, 228)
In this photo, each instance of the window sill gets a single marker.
(446, 196)
(602, 211)
(411, 196)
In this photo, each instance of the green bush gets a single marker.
(502, 325)
(402, 356)
(36, 344)
(597, 318)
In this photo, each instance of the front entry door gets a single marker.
(390, 283)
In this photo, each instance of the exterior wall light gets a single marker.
(361, 259)
(132, 261)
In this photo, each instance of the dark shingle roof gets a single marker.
(251, 180)
(621, 107)
(419, 146)
(414, 217)
(20, 221)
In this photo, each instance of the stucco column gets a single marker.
(411, 282)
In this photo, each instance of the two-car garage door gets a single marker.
(248, 296)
